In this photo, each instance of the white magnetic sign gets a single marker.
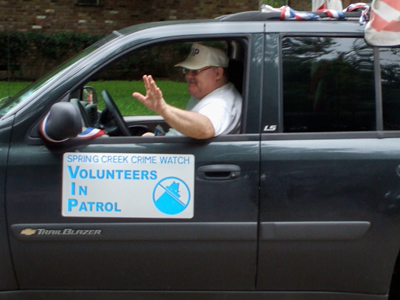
(126, 185)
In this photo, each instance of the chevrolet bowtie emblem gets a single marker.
(28, 231)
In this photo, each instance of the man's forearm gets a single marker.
(189, 123)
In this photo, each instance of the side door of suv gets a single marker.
(328, 179)
(215, 248)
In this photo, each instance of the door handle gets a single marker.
(218, 172)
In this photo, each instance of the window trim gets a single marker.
(378, 90)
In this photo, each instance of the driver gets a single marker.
(215, 105)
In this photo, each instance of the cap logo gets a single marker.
(194, 51)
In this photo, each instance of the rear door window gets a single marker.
(328, 84)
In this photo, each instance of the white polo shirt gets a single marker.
(223, 107)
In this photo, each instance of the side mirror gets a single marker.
(89, 102)
(62, 122)
(89, 95)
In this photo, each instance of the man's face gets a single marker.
(200, 84)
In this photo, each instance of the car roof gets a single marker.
(143, 26)
(245, 17)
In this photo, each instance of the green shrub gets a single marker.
(37, 52)
(275, 3)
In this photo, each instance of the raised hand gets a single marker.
(153, 99)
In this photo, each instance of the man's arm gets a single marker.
(189, 123)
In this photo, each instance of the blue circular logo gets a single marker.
(171, 195)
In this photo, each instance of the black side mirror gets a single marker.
(62, 122)
(89, 102)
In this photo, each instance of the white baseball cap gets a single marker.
(201, 56)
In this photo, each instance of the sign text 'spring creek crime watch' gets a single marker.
(123, 185)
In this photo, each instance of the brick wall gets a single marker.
(53, 16)
(59, 15)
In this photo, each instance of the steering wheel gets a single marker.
(115, 114)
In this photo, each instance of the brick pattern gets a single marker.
(52, 16)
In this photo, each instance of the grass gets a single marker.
(12, 88)
(175, 93)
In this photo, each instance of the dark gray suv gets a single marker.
(303, 203)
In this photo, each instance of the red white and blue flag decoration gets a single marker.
(335, 14)
(364, 11)
(90, 133)
(383, 29)
(332, 5)
(289, 14)
(43, 131)
(286, 13)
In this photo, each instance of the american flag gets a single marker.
(383, 28)
(332, 4)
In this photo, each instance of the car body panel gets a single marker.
(221, 238)
(323, 195)
(137, 263)
(7, 277)
(323, 198)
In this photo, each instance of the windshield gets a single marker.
(8, 103)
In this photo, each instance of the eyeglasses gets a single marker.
(194, 72)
